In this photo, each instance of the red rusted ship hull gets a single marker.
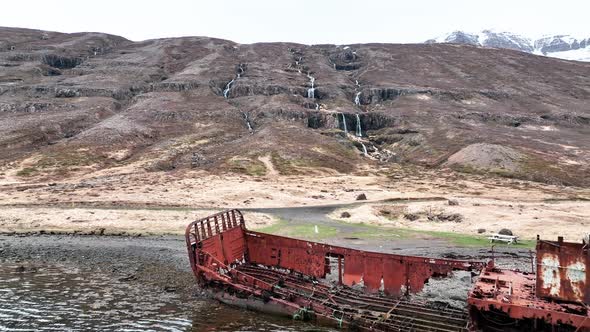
(553, 299)
(365, 291)
(292, 277)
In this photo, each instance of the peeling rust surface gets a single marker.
(562, 271)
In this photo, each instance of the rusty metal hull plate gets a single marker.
(562, 271)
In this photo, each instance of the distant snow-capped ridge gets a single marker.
(558, 46)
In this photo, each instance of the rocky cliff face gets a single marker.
(558, 46)
(82, 102)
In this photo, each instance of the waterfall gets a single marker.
(240, 70)
(365, 150)
(359, 130)
(344, 123)
(311, 91)
(357, 99)
(317, 107)
(248, 122)
(227, 87)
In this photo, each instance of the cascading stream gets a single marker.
(240, 71)
(358, 133)
(359, 130)
(229, 85)
(357, 97)
(247, 119)
(311, 91)
(226, 90)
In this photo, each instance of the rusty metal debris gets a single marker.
(367, 291)
(554, 298)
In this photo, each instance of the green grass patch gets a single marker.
(284, 166)
(61, 163)
(68, 159)
(27, 171)
(306, 232)
(368, 232)
(380, 233)
(247, 166)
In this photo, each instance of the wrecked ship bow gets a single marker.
(329, 285)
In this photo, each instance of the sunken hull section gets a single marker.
(310, 281)
(555, 298)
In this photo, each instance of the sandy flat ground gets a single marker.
(133, 221)
(164, 202)
(524, 219)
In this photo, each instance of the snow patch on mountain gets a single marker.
(559, 46)
(581, 54)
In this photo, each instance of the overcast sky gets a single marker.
(303, 21)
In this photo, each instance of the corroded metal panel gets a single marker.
(394, 276)
(562, 271)
(373, 273)
(353, 269)
(233, 245)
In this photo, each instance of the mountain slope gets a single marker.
(81, 102)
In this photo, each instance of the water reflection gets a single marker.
(34, 298)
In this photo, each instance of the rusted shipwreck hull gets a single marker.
(331, 285)
(555, 298)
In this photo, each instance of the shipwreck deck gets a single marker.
(362, 310)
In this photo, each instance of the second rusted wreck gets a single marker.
(306, 280)
(555, 297)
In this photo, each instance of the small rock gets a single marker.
(411, 216)
(453, 202)
(361, 197)
(345, 215)
(481, 230)
(128, 278)
(505, 231)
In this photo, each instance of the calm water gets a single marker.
(70, 299)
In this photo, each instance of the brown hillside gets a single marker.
(84, 101)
